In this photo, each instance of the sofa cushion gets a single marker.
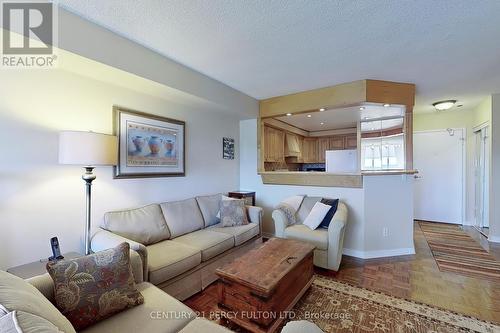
(318, 237)
(241, 233)
(23, 322)
(209, 206)
(305, 208)
(17, 294)
(182, 217)
(145, 225)
(203, 325)
(94, 287)
(210, 243)
(168, 259)
(159, 313)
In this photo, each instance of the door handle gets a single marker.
(417, 177)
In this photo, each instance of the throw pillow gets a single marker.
(224, 198)
(24, 322)
(94, 287)
(233, 212)
(333, 203)
(8, 323)
(289, 212)
(317, 214)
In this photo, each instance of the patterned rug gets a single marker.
(339, 307)
(455, 251)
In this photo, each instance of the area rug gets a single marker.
(455, 251)
(339, 307)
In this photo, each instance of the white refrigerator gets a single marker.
(342, 161)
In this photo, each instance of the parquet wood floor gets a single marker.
(416, 277)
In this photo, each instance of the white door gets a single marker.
(439, 158)
(481, 173)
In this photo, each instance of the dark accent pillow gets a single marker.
(92, 288)
(328, 218)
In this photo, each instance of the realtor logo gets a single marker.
(28, 35)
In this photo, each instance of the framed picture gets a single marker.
(228, 148)
(148, 145)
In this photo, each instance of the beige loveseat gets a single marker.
(181, 243)
(160, 312)
(329, 242)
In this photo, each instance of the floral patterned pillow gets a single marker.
(94, 287)
(233, 212)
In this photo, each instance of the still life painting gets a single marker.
(149, 145)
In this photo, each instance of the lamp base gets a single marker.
(88, 177)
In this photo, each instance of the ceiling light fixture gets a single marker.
(309, 116)
(387, 105)
(288, 114)
(444, 105)
(321, 123)
(322, 109)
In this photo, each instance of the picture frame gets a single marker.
(228, 148)
(149, 146)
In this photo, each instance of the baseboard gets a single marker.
(494, 239)
(379, 253)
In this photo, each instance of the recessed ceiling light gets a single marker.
(309, 116)
(288, 114)
(387, 105)
(444, 105)
(361, 108)
(321, 123)
(322, 109)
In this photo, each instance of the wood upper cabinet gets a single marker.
(274, 145)
(310, 150)
(336, 143)
(323, 146)
(351, 142)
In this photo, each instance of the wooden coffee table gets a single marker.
(258, 288)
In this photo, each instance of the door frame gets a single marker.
(463, 213)
(477, 128)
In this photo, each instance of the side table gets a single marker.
(248, 196)
(30, 270)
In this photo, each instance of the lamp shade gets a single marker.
(87, 148)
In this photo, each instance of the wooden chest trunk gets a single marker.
(259, 288)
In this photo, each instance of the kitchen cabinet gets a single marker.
(336, 143)
(351, 142)
(274, 145)
(323, 146)
(310, 150)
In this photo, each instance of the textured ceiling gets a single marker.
(264, 48)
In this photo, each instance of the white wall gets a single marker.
(40, 199)
(388, 204)
(384, 201)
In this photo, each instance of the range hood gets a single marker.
(292, 146)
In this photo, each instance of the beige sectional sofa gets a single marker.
(181, 243)
(160, 312)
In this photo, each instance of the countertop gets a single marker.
(320, 178)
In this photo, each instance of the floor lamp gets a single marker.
(89, 150)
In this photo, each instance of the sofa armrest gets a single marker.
(280, 223)
(255, 215)
(336, 231)
(104, 239)
(45, 284)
